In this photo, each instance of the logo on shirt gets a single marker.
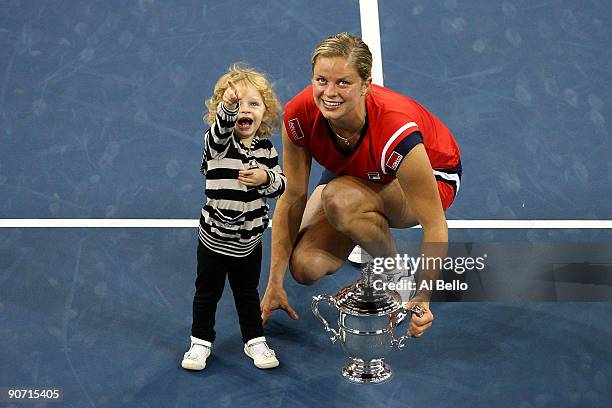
(394, 160)
(296, 129)
(373, 175)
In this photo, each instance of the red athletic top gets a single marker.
(394, 125)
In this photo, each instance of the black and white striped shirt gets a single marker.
(235, 216)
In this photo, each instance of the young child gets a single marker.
(242, 170)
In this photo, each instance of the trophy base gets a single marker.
(366, 372)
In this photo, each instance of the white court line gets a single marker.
(370, 34)
(97, 223)
(530, 224)
(188, 223)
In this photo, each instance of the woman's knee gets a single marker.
(307, 268)
(342, 203)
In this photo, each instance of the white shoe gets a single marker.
(409, 283)
(404, 281)
(195, 357)
(262, 355)
(359, 256)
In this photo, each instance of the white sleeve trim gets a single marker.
(397, 134)
(450, 177)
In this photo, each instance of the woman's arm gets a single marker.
(419, 184)
(286, 224)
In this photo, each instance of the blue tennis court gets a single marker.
(100, 112)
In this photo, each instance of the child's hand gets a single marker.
(231, 96)
(253, 177)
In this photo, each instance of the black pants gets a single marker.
(243, 274)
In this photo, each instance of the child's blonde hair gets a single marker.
(241, 76)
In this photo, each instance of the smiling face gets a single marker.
(252, 112)
(338, 90)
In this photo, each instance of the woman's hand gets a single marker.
(419, 324)
(275, 298)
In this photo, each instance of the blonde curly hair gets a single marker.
(243, 76)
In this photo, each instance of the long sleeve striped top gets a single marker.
(234, 217)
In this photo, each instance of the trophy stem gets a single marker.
(366, 273)
(366, 371)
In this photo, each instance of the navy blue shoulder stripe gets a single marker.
(404, 147)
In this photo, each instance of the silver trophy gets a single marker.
(367, 318)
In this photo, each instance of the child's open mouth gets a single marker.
(244, 123)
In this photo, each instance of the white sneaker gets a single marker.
(404, 281)
(195, 357)
(409, 285)
(262, 355)
(359, 256)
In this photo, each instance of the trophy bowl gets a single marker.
(367, 318)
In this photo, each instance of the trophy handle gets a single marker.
(416, 309)
(315, 309)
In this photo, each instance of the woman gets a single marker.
(389, 164)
